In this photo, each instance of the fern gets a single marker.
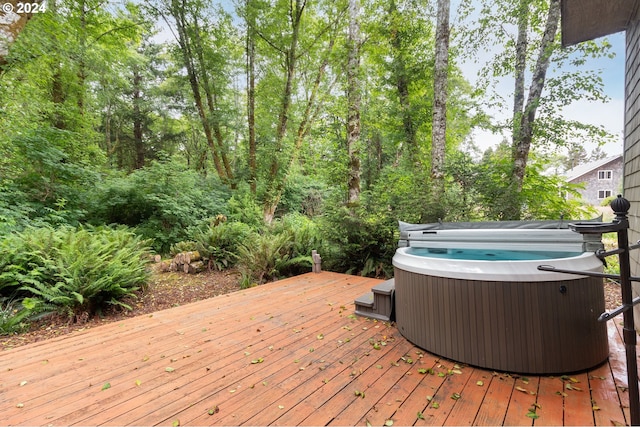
(74, 270)
(220, 243)
(268, 257)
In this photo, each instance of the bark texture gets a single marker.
(440, 91)
(353, 102)
(525, 119)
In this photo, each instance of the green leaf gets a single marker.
(106, 386)
(533, 415)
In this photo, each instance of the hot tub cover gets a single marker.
(591, 243)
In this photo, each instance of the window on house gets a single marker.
(603, 194)
(605, 174)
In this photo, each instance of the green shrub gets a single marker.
(244, 208)
(612, 265)
(362, 241)
(13, 316)
(72, 270)
(302, 194)
(164, 202)
(220, 243)
(264, 257)
(306, 236)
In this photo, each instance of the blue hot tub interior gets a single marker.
(489, 254)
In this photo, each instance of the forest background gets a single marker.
(258, 131)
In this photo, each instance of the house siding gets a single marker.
(632, 145)
(592, 184)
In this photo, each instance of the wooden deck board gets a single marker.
(286, 353)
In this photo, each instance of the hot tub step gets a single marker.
(377, 304)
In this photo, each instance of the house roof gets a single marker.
(589, 19)
(581, 170)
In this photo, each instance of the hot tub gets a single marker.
(477, 297)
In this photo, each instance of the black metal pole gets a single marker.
(621, 207)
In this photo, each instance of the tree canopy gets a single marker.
(296, 105)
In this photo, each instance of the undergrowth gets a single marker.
(68, 271)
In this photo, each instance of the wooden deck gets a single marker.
(285, 353)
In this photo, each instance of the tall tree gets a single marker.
(525, 116)
(295, 40)
(290, 55)
(353, 102)
(251, 92)
(526, 55)
(401, 75)
(194, 37)
(440, 92)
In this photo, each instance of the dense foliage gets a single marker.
(236, 132)
(69, 271)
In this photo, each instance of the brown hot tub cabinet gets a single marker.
(525, 327)
(477, 296)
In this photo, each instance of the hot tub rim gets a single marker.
(511, 271)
